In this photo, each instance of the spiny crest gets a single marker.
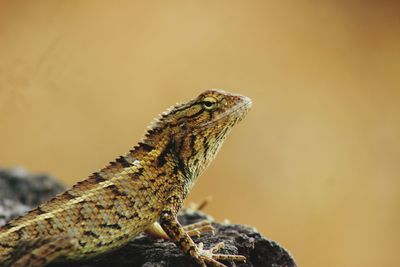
(157, 121)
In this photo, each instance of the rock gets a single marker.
(20, 190)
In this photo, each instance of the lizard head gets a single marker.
(197, 128)
(211, 115)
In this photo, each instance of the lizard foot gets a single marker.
(196, 229)
(200, 206)
(209, 257)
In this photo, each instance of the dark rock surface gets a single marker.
(20, 191)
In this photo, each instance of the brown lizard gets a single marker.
(140, 191)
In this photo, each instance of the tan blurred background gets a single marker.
(314, 166)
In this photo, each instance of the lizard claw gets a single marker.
(200, 206)
(208, 256)
(198, 228)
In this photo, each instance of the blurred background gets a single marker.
(315, 165)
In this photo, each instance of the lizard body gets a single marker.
(144, 189)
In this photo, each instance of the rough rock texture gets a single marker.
(20, 191)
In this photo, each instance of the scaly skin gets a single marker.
(133, 193)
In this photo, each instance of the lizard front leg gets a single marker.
(180, 237)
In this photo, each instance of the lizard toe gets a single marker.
(212, 259)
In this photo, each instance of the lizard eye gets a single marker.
(209, 102)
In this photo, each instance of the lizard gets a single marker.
(143, 190)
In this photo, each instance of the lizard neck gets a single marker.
(184, 153)
(161, 146)
(174, 155)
